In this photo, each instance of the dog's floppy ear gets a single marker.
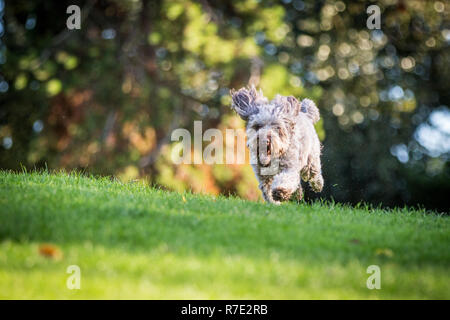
(245, 101)
(294, 105)
(290, 105)
(311, 110)
(287, 105)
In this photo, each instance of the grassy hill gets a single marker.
(133, 241)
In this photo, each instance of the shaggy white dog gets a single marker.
(284, 146)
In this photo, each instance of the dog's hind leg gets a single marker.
(316, 179)
(299, 192)
(306, 171)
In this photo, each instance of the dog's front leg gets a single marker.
(316, 181)
(266, 188)
(285, 184)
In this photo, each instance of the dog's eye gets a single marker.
(257, 127)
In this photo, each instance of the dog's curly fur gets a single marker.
(280, 132)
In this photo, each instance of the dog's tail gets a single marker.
(310, 108)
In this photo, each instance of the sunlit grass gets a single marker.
(133, 241)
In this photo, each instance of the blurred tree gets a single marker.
(106, 98)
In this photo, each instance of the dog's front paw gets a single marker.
(281, 194)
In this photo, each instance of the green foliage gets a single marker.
(109, 95)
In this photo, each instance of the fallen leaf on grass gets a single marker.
(50, 251)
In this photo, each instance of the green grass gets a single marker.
(133, 241)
